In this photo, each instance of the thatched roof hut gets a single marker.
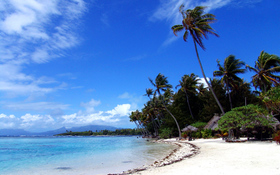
(276, 124)
(189, 128)
(213, 123)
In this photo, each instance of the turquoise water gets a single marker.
(76, 155)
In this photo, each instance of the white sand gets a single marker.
(218, 157)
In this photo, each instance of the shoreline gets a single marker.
(219, 157)
(184, 150)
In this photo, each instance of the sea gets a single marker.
(77, 155)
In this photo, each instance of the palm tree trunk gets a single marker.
(230, 102)
(229, 96)
(179, 130)
(220, 106)
(189, 103)
(156, 127)
(141, 129)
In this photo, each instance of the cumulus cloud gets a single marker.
(3, 116)
(34, 122)
(121, 110)
(27, 121)
(100, 117)
(57, 118)
(89, 115)
(7, 121)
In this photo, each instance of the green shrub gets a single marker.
(197, 134)
(199, 125)
(206, 133)
(165, 133)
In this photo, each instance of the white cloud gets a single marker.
(40, 56)
(86, 119)
(34, 31)
(8, 121)
(7, 125)
(202, 81)
(45, 25)
(246, 3)
(169, 11)
(6, 116)
(30, 118)
(125, 95)
(36, 106)
(121, 110)
(12, 72)
(134, 100)
(90, 105)
(25, 18)
(90, 116)
(34, 122)
(14, 82)
(37, 122)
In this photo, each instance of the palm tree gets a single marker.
(197, 25)
(161, 84)
(228, 73)
(265, 67)
(188, 84)
(136, 117)
(149, 92)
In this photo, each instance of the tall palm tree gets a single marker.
(161, 84)
(197, 25)
(228, 71)
(265, 67)
(188, 85)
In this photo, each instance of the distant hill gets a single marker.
(21, 132)
(13, 132)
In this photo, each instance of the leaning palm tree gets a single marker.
(197, 25)
(228, 73)
(161, 84)
(265, 67)
(188, 85)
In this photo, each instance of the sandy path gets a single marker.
(219, 157)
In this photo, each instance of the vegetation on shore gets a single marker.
(103, 133)
(194, 104)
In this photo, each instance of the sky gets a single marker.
(68, 63)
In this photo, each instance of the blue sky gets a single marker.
(80, 62)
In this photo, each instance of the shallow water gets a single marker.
(76, 155)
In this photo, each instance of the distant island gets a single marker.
(82, 130)
(103, 133)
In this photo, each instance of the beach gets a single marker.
(215, 156)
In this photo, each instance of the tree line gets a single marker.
(103, 133)
(167, 111)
